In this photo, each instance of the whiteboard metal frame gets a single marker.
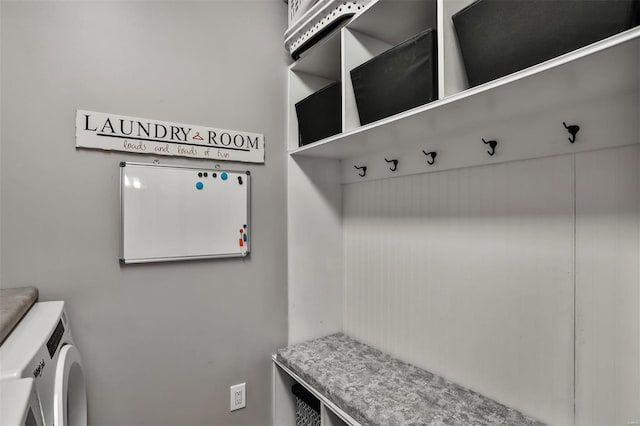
(124, 261)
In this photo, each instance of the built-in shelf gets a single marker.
(352, 243)
(380, 19)
(603, 69)
(381, 25)
(284, 403)
(323, 60)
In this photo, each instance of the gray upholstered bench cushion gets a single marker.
(377, 389)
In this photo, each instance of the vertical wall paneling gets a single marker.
(315, 248)
(469, 273)
(608, 287)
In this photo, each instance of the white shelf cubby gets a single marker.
(596, 87)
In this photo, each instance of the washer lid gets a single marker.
(14, 304)
(19, 404)
(70, 395)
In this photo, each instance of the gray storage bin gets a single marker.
(401, 78)
(499, 37)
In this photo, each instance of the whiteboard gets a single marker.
(173, 213)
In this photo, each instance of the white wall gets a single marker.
(608, 287)
(315, 257)
(161, 343)
(468, 273)
(1, 68)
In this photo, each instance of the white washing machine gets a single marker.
(41, 347)
(19, 403)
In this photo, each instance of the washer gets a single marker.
(19, 403)
(41, 347)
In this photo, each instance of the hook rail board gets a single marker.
(171, 213)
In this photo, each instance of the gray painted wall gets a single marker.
(161, 343)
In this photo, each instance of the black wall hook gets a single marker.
(573, 131)
(395, 164)
(492, 144)
(364, 170)
(433, 156)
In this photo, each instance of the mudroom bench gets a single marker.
(359, 385)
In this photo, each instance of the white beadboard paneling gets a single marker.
(608, 287)
(469, 273)
(315, 248)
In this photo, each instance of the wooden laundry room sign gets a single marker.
(106, 131)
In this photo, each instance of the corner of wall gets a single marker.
(1, 180)
(315, 254)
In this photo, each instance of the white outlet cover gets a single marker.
(238, 397)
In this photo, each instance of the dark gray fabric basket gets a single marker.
(499, 37)
(401, 78)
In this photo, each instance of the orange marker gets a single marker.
(241, 242)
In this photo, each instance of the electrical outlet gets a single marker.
(238, 397)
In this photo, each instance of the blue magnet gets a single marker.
(224, 176)
(244, 226)
(199, 185)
